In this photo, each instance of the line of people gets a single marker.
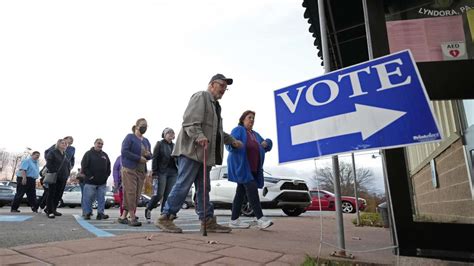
(175, 167)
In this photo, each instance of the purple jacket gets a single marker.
(117, 173)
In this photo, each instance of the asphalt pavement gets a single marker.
(37, 228)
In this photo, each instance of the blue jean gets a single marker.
(189, 172)
(162, 188)
(90, 194)
(249, 190)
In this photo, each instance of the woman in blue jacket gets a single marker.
(135, 154)
(245, 167)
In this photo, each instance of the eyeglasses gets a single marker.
(223, 85)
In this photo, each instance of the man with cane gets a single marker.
(200, 145)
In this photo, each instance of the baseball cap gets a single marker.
(229, 81)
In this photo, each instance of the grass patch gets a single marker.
(369, 219)
(310, 261)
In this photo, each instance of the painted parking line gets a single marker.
(14, 218)
(89, 227)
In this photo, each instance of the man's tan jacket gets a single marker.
(200, 120)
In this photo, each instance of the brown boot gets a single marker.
(166, 224)
(213, 227)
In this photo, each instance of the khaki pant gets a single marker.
(132, 182)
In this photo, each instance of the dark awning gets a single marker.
(346, 31)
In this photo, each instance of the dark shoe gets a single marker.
(147, 214)
(12, 210)
(213, 227)
(87, 216)
(101, 216)
(35, 210)
(166, 224)
(57, 213)
(122, 221)
(134, 223)
(51, 215)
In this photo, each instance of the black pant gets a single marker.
(55, 192)
(251, 191)
(29, 189)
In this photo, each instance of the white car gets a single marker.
(290, 195)
(72, 198)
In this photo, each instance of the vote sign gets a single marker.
(377, 104)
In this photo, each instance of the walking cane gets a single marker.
(204, 168)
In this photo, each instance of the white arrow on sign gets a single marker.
(366, 119)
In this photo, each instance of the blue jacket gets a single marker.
(132, 150)
(237, 163)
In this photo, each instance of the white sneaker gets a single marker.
(238, 224)
(263, 223)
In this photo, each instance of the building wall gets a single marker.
(445, 113)
(452, 200)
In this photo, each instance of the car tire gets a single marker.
(292, 211)
(246, 209)
(95, 204)
(107, 206)
(347, 207)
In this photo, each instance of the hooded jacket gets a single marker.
(96, 166)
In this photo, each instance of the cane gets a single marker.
(204, 168)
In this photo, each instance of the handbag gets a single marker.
(50, 178)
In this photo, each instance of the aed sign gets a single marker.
(378, 104)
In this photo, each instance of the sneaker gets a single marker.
(238, 224)
(134, 222)
(87, 216)
(263, 223)
(122, 221)
(213, 227)
(101, 216)
(166, 224)
(51, 215)
(57, 213)
(147, 214)
(253, 222)
(12, 210)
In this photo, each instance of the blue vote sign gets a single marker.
(377, 104)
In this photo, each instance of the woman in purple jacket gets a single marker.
(135, 153)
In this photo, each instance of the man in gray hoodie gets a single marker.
(201, 132)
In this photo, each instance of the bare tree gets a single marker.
(15, 160)
(4, 159)
(365, 178)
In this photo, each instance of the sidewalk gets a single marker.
(285, 243)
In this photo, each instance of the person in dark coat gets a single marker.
(57, 161)
(96, 167)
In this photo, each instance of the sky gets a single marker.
(90, 69)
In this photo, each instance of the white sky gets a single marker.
(91, 68)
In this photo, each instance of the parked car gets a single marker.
(328, 202)
(289, 194)
(8, 183)
(7, 193)
(72, 198)
(12, 186)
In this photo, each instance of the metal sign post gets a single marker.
(335, 160)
